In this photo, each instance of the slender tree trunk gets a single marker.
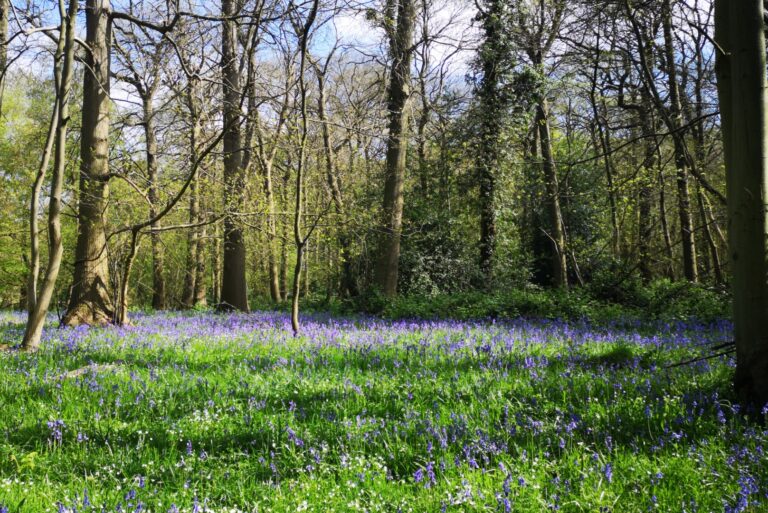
(556, 232)
(201, 286)
(690, 267)
(604, 137)
(714, 254)
(216, 265)
(121, 314)
(91, 301)
(347, 283)
(665, 228)
(299, 238)
(158, 278)
(34, 204)
(4, 14)
(397, 144)
(645, 201)
(193, 257)
(274, 272)
(66, 52)
(194, 293)
(284, 238)
(741, 84)
(234, 290)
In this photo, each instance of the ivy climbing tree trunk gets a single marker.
(401, 41)
(494, 59)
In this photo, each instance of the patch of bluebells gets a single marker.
(484, 416)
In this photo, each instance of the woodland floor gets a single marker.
(201, 412)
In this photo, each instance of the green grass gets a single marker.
(234, 413)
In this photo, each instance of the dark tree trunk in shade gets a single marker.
(741, 82)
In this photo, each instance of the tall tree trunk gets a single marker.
(34, 203)
(201, 286)
(65, 52)
(158, 278)
(347, 282)
(556, 231)
(602, 129)
(665, 227)
(216, 265)
(193, 256)
(741, 81)
(300, 240)
(234, 290)
(4, 14)
(708, 222)
(90, 301)
(274, 272)
(648, 173)
(397, 144)
(690, 267)
(194, 293)
(284, 237)
(491, 112)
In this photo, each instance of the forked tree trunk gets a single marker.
(90, 301)
(300, 239)
(65, 52)
(397, 144)
(741, 85)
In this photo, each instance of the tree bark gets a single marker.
(4, 14)
(690, 266)
(556, 233)
(491, 112)
(300, 239)
(66, 51)
(347, 283)
(397, 144)
(741, 82)
(90, 301)
(158, 278)
(34, 203)
(234, 290)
